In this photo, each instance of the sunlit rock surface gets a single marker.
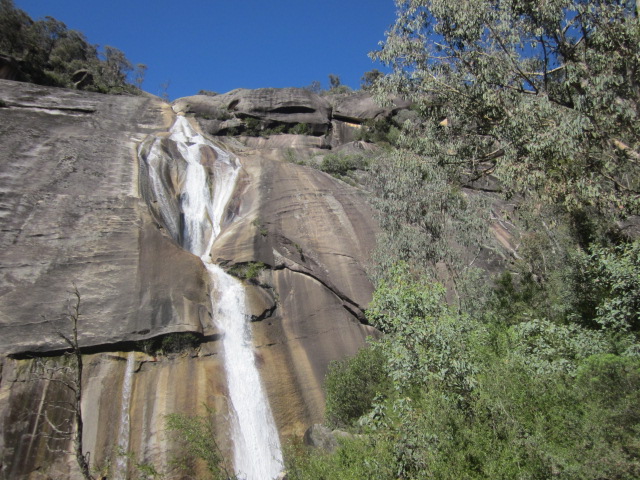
(73, 212)
(71, 215)
(287, 105)
(359, 107)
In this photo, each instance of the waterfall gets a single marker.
(123, 434)
(256, 446)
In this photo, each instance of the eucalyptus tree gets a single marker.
(542, 94)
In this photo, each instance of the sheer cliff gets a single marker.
(79, 207)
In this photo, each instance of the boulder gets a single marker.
(359, 107)
(319, 436)
(344, 132)
(283, 105)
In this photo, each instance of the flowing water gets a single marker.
(203, 201)
(123, 433)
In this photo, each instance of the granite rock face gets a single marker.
(287, 105)
(74, 211)
(356, 108)
(71, 215)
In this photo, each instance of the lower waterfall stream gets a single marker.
(203, 202)
(123, 434)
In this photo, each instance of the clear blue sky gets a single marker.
(220, 45)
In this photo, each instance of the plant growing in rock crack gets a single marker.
(176, 342)
(143, 470)
(62, 417)
(247, 271)
(260, 226)
(196, 436)
(301, 129)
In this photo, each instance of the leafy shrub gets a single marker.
(179, 342)
(379, 130)
(253, 270)
(609, 285)
(264, 231)
(252, 126)
(276, 130)
(352, 385)
(426, 341)
(300, 129)
(247, 271)
(176, 342)
(358, 458)
(339, 165)
(196, 436)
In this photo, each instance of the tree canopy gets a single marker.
(544, 95)
(49, 53)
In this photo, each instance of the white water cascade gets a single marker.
(257, 452)
(123, 432)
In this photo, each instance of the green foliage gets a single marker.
(340, 89)
(179, 342)
(357, 459)
(369, 78)
(379, 130)
(247, 271)
(478, 397)
(352, 385)
(537, 374)
(253, 270)
(252, 126)
(426, 218)
(264, 231)
(115, 67)
(196, 436)
(542, 95)
(275, 130)
(172, 343)
(49, 53)
(426, 341)
(300, 129)
(551, 347)
(340, 165)
(334, 81)
(609, 284)
(255, 127)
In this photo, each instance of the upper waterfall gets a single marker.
(203, 187)
(203, 198)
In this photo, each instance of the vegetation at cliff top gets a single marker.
(528, 116)
(48, 53)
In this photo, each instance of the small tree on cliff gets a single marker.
(64, 417)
